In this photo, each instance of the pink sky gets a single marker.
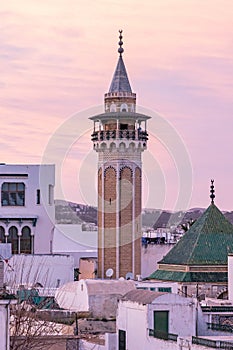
(57, 59)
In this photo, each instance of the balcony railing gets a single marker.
(216, 344)
(220, 327)
(220, 308)
(119, 135)
(162, 335)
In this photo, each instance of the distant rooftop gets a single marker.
(142, 296)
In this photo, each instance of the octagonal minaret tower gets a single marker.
(119, 136)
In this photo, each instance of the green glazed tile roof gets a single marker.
(189, 276)
(207, 242)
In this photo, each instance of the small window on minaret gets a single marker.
(123, 126)
(113, 107)
(124, 107)
(110, 201)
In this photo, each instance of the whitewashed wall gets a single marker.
(182, 313)
(155, 285)
(4, 323)
(73, 296)
(4, 336)
(48, 270)
(136, 319)
(87, 345)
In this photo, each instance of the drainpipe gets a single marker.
(196, 321)
(7, 327)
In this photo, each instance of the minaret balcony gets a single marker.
(137, 135)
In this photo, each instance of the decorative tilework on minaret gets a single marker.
(119, 137)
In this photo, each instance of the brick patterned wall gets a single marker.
(125, 221)
(138, 209)
(100, 243)
(110, 219)
(125, 249)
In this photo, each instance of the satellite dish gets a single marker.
(109, 273)
(129, 276)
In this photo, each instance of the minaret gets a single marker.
(119, 136)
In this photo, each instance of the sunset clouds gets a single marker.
(57, 58)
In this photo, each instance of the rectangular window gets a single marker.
(165, 289)
(13, 194)
(51, 194)
(161, 324)
(122, 340)
(37, 196)
(184, 290)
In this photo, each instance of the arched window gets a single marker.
(13, 194)
(124, 107)
(112, 107)
(26, 241)
(2, 235)
(13, 239)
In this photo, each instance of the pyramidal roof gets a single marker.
(120, 81)
(207, 242)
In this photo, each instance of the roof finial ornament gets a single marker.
(120, 50)
(212, 195)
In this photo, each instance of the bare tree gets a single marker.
(28, 330)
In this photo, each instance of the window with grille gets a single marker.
(13, 194)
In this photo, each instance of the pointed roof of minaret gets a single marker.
(120, 81)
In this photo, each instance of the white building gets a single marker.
(48, 271)
(72, 240)
(97, 297)
(144, 314)
(27, 211)
(157, 286)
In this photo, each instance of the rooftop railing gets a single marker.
(216, 344)
(162, 335)
(220, 327)
(217, 308)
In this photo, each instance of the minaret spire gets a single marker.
(120, 81)
(212, 191)
(120, 50)
(120, 96)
